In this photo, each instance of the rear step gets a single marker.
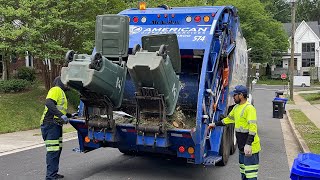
(211, 160)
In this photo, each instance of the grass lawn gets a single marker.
(64, 130)
(289, 101)
(68, 129)
(21, 111)
(307, 89)
(272, 82)
(313, 98)
(309, 132)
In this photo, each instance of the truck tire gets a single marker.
(224, 147)
(233, 142)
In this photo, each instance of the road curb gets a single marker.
(302, 144)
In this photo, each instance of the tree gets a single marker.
(308, 10)
(278, 9)
(176, 3)
(12, 30)
(264, 35)
(48, 29)
(62, 25)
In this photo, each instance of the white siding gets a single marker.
(304, 34)
(285, 63)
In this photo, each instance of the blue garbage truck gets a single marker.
(155, 80)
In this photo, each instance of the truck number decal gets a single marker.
(199, 38)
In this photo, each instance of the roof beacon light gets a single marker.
(142, 5)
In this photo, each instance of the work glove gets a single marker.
(65, 119)
(211, 126)
(71, 115)
(247, 150)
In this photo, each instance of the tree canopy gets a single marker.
(264, 35)
(308, 10)
(280, 10)
(47, 29)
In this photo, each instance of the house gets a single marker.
(306, 50)
(16, 63)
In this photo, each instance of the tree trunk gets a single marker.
(5, 68)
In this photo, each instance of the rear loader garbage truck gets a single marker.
(155, 80)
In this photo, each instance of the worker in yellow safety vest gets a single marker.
(54, 116)
(244, 116)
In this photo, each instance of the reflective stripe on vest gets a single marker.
(242, 112)
(61, 106)
(241, 128)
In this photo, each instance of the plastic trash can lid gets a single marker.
(280, 99)
(307, 165)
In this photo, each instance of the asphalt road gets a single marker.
(111, 164)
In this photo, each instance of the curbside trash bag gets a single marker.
(306, 167)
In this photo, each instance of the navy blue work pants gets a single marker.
(249, 166)
(52, 136)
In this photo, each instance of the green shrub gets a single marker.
(14, 85)
(73, 98)
(263, 78)
(26, 73)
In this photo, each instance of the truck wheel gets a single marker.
(224, 148)
(69, 56)
(233, 140)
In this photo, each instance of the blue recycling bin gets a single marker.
(285, 100)
(306, 167)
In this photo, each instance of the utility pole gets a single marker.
(291, 71)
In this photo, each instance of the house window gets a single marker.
(306, 73)
(312, 47)
(308, 47)
(279, 64)
(308, 62)
(308, 54)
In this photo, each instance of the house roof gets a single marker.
(312, 24)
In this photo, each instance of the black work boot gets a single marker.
(59, 176)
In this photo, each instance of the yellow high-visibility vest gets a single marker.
(244, 117)
(57, 94)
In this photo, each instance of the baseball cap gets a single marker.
(240, 89)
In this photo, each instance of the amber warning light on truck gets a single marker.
(142, 5)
